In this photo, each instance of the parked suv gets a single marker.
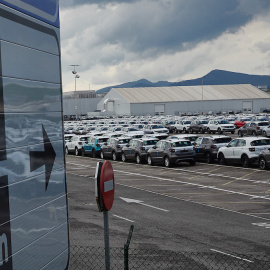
(243, 150)
(182, 126)
(252, 128)
(137, 149)
(220, 126)
(93, 145)
(264, 159)
(206, 148)
(113, 147)
(168, 152)
(74, 145)
(198, 126)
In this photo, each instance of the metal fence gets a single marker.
(82, 257)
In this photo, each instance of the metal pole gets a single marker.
(75, 100)
(106, 239)
(202, 95)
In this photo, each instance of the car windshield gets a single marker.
(150, 142)
(133, 129)
(204, 122)
(223, 122)
(263, 124)
(124, 140)
(222, 140)
(260, 142)
(187, 122)
(102, 140)
(157, 126)
(192, 139)
(181, 144)
(83, 139)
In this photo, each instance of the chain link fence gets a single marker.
(82, 257)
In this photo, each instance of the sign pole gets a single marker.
(106, 239)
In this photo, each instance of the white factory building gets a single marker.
(176, 100)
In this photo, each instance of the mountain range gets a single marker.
(214, 77)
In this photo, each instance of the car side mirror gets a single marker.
(154, 147)
(127, 145)
(105, 143)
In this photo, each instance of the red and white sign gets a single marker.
(107, 185)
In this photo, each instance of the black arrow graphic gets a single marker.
(43, 158)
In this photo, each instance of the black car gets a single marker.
(168, 152)
(264, 159)
(113, 147)
(198, 126)
(206, 148)
(137, 149)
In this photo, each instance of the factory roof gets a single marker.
(191, 93)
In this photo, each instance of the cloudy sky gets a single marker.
(161, 40)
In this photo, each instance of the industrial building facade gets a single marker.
(184, 99)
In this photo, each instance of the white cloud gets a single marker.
(123, 42)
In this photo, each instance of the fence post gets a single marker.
(126, 247)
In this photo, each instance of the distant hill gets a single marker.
(215, 77)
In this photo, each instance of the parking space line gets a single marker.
(238, 178)
(230, 255)
(124, 218)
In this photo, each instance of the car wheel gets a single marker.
(221, 159)
(201, 131)
(262, 163)
(208, 130)
(77, 151)
(191, 130)
(114, 156)
(192, 162)
(93, 153)
(264, 133)
(184, 130)
(240, 134)
(67, 152)
(245, 161)
(83, 152)
(219, 131)
(101, 155)
(138, 159)
(167, 162)
(123, 157)
(149, 160)
(208, 158)
(254, 133)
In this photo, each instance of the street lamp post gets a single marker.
(76, 76)
(202, 95)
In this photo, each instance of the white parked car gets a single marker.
(75, 144)
(243, 150)
(266, 131)
(220, 126)
(182, 126)
(155, 128)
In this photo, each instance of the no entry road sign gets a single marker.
(105, 185)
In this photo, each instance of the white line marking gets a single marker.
(231, 255)
(124, 218)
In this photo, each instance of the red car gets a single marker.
(239, 122)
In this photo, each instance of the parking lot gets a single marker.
(199, 208)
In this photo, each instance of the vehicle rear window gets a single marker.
(263, 124)
(224, 122)
(83, 139)
(157, 126)
(222, 140)
(181, 144)
(260, 142)
(187, 122)
(152, 142)
(204, 122)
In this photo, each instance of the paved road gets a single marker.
(199, 208)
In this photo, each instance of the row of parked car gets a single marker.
(174, 149)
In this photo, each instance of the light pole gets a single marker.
(202, 95)
(76, 76)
